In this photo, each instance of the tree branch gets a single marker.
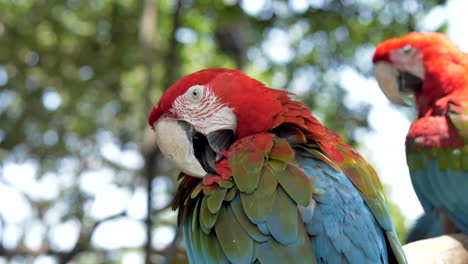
(443, 249)
(82, 244)
(84, 240)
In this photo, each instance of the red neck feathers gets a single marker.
(254, 104)
(446, 79)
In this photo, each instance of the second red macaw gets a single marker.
(435, 70)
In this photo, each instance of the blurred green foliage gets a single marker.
(75, 78)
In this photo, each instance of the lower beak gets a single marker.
(175, 140)
(409, 83)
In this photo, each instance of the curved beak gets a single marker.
(388, 79)
(190, 151)
(174, 139)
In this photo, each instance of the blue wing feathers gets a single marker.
(328, 252)
(333, 229)
(417, 180)
(187, 231)
(426, 226)
(263, 228)
(435, 184)
(343, 228)
(443, 189)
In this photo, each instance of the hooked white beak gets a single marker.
(175, 142)
(387, 77)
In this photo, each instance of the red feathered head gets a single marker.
(201, 114)
(426, 64)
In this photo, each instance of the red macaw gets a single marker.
(432, 68)
(263, 181)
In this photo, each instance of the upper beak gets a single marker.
(387, 77)
(174, 139)
(392, 82)
(190, 151)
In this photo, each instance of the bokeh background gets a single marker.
(81, 180)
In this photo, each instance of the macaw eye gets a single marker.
(407, 50)
(195, 93)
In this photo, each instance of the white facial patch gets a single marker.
(387, 77)
(206, 114)
(408, 59)
(173, 142)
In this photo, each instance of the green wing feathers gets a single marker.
(253, 216)
(458, 114)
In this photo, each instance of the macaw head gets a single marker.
(426, 64)
(203, 113)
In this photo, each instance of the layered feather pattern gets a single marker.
(289, 196)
